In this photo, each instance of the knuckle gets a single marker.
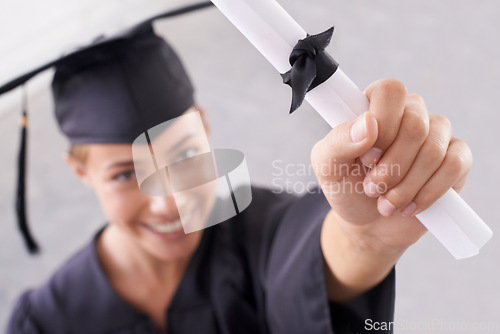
(462, 157)
(442, 121)
(321, 152)
(435, 151)
(393, 86)
(424, 200)
(399, 197)
(318, 164)
(385, 177)
(456, 163)
(315, 153)
(322, 149)
(332, 143)
(417, 127)
(464, 147)
(415, 98)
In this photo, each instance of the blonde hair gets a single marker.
(79, 152)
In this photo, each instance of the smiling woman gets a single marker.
(247, 108)
(126, 105)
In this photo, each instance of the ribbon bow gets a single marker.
(311, 66)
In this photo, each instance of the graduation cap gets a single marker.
(134, 76)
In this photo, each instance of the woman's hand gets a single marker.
(381, 169)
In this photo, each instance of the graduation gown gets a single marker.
(260, 272)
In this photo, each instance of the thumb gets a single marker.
(346, 142)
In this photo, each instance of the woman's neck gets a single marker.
(145, 283)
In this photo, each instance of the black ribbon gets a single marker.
(311, 66)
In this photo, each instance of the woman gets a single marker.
(322, 263)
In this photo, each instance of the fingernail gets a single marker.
(385, 207)
(409, 210)
(372, 156)
(372, 190)
(358, 130)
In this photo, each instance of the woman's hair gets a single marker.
(79, 152)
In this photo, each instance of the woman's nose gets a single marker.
(164, 205)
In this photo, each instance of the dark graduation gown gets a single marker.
(259, 272)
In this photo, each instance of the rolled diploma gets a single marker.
(274, 33)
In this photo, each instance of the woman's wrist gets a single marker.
(355, 261)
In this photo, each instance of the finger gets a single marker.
(339, 149)
(461, 181)
(387, 101)
(428, 161)
(452, 172)
(400, 156)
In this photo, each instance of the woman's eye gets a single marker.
(124, 176)
(187, 153)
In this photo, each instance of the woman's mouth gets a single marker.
(171, 228)
(165, 228)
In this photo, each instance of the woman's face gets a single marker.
(152, 223)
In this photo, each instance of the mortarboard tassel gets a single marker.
(21, 184)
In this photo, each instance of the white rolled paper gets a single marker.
(274, 33)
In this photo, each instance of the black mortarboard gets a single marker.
(110, 92)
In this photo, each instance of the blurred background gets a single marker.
(448, 51)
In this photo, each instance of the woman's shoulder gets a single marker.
(77, 298)
(21, 320)
(51, 299)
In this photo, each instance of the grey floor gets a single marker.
(448, 51)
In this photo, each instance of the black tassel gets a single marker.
(21, 185)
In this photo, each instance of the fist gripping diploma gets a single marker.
(377, 172)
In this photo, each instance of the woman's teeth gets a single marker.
(167, 227)
(171, 227)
